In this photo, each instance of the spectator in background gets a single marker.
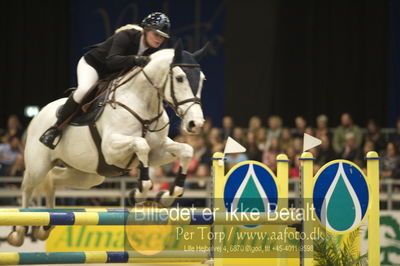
(325, 151)
(14, 128)
(339, 136)
(367, 147)
(269, 156)
(8, 154)
(207, 126)
(234, 158)
(254, 124)
(274, 130)
(390, 165)
(214, 137)
(301, 125)
(322, 127)
(285, 140)
(261, 138)
(310, 131)
(227, 127)
(252, 150)
(238, 135)
(351, 151)
(294, 169)
(374, 134)
(298, 145)
(395, 137)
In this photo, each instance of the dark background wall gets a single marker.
(307, 57)
(268, 57)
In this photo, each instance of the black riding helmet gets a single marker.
(158, 22)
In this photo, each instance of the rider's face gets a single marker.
(153, 39)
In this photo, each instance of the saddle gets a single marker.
(92, 105)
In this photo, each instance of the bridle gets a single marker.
(175, 105)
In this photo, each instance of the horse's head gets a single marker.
(183, 85)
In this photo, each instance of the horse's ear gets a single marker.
(199, 54)
(178, 51)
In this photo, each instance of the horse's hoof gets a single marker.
(135, 197)
(164, 198)
(16, 239)
(42, 233)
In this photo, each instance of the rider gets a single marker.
(123, 50)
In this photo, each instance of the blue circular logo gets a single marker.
(340, 196)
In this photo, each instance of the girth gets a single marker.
(103, 168)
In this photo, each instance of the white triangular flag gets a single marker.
(310, 142)
(232, 146)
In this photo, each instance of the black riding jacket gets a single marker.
(116, 53)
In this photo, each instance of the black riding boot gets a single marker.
(53, 132)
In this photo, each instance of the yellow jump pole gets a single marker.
(283, 203)
(218, 204)
(307, 179)
(374, 253)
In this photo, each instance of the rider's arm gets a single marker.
(117, 58)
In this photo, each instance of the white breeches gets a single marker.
(87, 77)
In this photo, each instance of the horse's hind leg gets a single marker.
(43, 232)
(29, 184)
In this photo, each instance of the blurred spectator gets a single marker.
(285, 140)
(374, 134)
(269, 156)
(227, 127)
(202, 151)
(235, 158)
(274, 130)
(294, 168)
(367, 147)
(252, 150)
(14, 128)
(298, 145)
(214, 137)
(238, 135)
(339, 136)
(261, 138)
(322, 127)
(310, 131)
(8, 154)
(351, 151)
(395, 137)
(301, 125)
(325, 151)
(254, 124)
(390, 164)
(207, 126)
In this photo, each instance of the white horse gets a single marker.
(133, 128)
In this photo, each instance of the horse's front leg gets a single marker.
(168, 152)
(118, 149)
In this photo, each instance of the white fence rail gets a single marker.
(390, 188)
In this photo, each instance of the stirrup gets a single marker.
(49, 136)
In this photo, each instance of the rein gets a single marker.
(161, 96)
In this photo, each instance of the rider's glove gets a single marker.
(141, 60)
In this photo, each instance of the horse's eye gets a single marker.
(179, 79)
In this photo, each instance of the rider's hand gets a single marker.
(141, 60)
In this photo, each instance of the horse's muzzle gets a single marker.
(194, 126)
